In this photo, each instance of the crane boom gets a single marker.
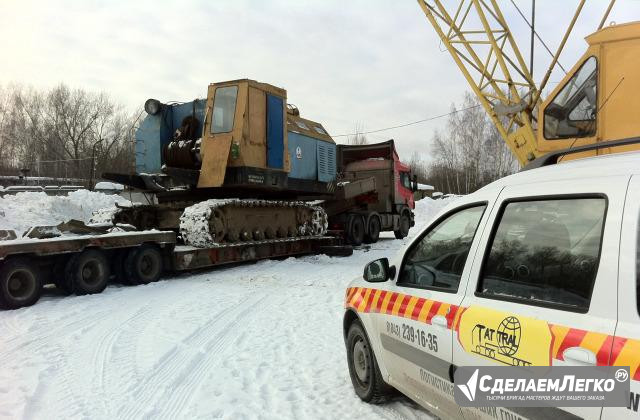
(479, 39)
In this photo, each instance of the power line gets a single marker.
(409, 123)
(537, 36)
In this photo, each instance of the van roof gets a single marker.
(597, 166)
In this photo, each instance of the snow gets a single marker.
(425, 187)
(111, 186)
(262, 340)
(25, 209)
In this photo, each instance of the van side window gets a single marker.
(546, 253)
(436, 261)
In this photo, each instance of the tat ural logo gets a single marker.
(469, 389)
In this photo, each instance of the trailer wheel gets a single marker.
(373, 230)
(143, 265)
(88, 272)
(59, 276)
(117, 267)
(405, 225)
(20, 284)
(355, 232)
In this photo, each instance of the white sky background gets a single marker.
(349, 63)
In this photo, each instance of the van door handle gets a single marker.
(439, 321)
(579, 356)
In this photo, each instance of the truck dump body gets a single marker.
(373, 194)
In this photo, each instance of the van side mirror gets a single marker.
(414, 185)
(378, 271)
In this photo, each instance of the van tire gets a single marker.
(363, 367)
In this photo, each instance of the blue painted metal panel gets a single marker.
(148, 148)
(302, 155)
(275, 132)
(155, 131)
(326, 161)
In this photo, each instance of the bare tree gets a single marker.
(58, 132)
(358, 137)
(470, 152)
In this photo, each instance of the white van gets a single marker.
(553, 251)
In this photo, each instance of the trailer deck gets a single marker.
(84, 264)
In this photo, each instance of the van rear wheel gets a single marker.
(363, 367)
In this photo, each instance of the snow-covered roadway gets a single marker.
(252, 341)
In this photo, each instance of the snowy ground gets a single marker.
(253, 341)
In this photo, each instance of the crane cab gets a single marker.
(598, 98)
(253, 139)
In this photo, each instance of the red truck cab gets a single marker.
(405, 183)
(386, 203)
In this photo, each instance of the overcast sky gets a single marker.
(373, 63)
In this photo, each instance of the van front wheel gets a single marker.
(363, 367)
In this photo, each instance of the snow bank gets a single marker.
(25, 209)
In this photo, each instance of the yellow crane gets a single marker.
(597, 101)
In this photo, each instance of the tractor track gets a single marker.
(169, 386)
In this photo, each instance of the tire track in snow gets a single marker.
(178, 365)
(127, 339)
(130, 329)
(32, 345)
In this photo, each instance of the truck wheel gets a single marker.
(143, 265)
(355, 235)
(20, 284)
(403, 229)
(363, 367)
(87, 273)
(373, 230)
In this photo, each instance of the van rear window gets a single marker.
(546, 253)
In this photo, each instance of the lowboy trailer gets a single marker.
(84, 264)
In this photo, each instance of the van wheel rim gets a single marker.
(361, 360)
(21, 284)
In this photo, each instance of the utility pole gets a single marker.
(533, 33)
(93, 163)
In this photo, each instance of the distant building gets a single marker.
(423, 191)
